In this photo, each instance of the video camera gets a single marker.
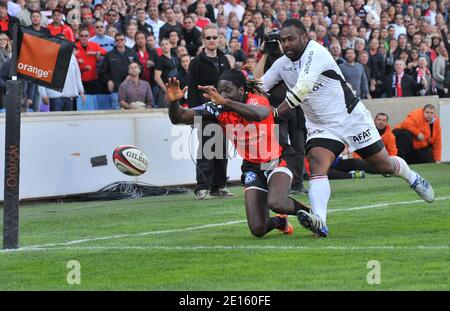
(271, 40)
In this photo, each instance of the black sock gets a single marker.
(276, 222)
(300, 207)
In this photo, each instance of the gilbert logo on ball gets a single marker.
(130, 160)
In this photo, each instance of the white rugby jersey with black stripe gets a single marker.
(315, 83)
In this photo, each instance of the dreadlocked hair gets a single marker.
(236, 77)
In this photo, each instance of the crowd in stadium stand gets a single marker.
(385, 48)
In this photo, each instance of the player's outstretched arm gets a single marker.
(177, 114)
(248, 112)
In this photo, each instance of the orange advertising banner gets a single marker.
(43, 59)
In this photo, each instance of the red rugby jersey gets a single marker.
(256, 142)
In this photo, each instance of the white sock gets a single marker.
(319, 194)
(402, 170)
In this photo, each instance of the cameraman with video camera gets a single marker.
(292, 124)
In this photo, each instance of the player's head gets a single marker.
(381, 120)
(234, 85)
(293, 38)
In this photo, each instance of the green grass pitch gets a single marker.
(179, 243)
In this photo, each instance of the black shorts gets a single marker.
(257, 176)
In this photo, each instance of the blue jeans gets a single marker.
(155, 90)
(115, 100)
(61, 104)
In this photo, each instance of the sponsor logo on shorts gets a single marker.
(249, 177)
(316, 132)
(363, 137)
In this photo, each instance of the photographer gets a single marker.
(291, 125)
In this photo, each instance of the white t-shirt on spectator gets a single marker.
(239, 9)
(13, 8)
(156, 25)
(398, 30)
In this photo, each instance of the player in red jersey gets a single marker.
(249, 125)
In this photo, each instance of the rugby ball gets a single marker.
(130, 160)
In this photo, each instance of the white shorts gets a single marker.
(357, 131)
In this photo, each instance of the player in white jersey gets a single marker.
(334, 118)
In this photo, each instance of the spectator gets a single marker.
(322, 37)
(57, 26)
(171, 24)
(384, 129)
(393, 53)
(5, 48)
(131, 34)
(135, 93)
(423, 78)
(281, 18)
(236, 51)
(439, 69)
(360, 45)
(209, 10)
(115, 68)
(88, 23)
(112, 32)
(424, 51)
(101, 38)
(398, 26)
(222, 44)
(376, 64)
(73, 87)
(174, 41)
(28, 86)
(413, 62)
(113, 21)
(260, 29)
(5, 54)
(180, 51)
(7, 21)
(191, 35)
(400, 84)
(233, 6)
(164, 66)
(335, 50)
(36, 18)
(182, 75)
(202, 20)
(417, 38)
(99, 12)
(154, 21)
(24, 16)
(88, 53)
(142, 23)
(248, 38)
(147, 58)
(210, 60)
(76, 27)
(205, 69)
(363, 59)
(354, 73)
(249, 67)
(419, 137)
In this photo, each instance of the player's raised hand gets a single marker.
(174, 92)
(211, 93)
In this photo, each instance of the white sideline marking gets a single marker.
(238, 247)
(384, 205)
(119, 236)
(138, 234)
